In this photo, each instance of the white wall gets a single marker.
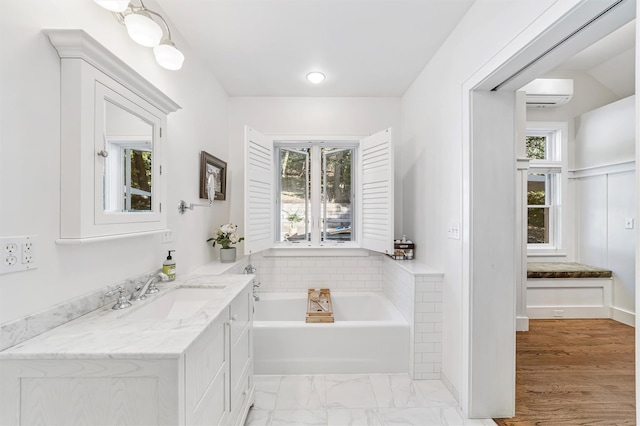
(30, 156)
(306, 116)
(588, 94)
(606, 135)
(434, 131)
(606, 196)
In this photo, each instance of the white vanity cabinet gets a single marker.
(219, 368)
(207, 375)
(206, 381)
(241, 327)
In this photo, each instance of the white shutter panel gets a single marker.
(376, 154)
(258, 192)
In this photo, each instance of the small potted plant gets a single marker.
(225, 236)
(293, 219)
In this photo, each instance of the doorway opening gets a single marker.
(489, 260)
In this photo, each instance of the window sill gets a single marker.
(299, 250)
(540, 252)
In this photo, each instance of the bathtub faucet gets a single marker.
(255, 289)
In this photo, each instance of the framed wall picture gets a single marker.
(210, 165)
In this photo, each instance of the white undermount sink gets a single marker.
(176, 304)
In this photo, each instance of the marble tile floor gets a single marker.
(354, 399)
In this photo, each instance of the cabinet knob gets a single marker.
(234, 317)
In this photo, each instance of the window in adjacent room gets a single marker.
(544, 148)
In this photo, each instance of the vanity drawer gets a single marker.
(205, 359)
(240, 314)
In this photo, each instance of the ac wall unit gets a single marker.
(548, 92)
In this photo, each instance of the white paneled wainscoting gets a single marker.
(415, 289)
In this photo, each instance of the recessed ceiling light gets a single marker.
(315, 77)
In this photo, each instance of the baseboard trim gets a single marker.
(558, 312)
(522, 323)
(449, 385)
(623, 316)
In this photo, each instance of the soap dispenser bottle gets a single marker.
(169, 267)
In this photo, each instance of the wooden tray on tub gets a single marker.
(322, 310)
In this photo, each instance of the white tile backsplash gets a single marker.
(417, 292)
(293, 274)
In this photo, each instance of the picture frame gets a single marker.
(212, 165)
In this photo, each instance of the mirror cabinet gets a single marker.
(113, 128)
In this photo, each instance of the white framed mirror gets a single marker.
(112, 126)
(128, 158)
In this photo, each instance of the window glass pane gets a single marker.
(538, 225)
(337, 210)
(536, 147)
(294, 194)
(537, 189)
(138, 194)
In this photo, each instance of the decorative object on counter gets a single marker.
(319, 306)
(403, 249)
(225, 236)
(212, 166)
(169, 267)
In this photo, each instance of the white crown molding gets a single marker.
(77, 44)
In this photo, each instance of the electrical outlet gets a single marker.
(167, 236)
(628, 223)
(453, 231)
(19, 254)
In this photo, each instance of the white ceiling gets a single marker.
(266, 47)
(611, 61)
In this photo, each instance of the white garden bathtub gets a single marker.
(369, 335)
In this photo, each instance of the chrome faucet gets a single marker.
(249, 269)
(149, 287)
(122, 299)
(255, 289)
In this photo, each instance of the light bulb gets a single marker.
(315, 77)
(168, 56)
(114, 5)
(142, 29)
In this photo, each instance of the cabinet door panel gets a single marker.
(241, 310)
(96, 401)
(213, 407)
(241, 358)
(205, 358)
(241, 394)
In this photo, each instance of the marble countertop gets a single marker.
(108, 333)
(565, 270)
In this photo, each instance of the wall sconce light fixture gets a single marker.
(144, 30)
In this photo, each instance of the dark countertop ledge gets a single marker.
(565, 270)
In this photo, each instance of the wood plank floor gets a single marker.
(574, 372)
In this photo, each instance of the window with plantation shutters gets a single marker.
(376, 192)
(319, 193)
(258, 194)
